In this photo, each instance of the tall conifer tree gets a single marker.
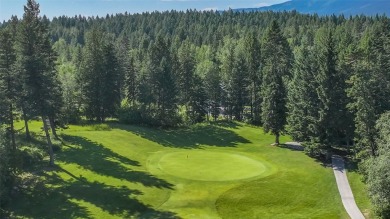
(369, 86)
(276, 66)
(330, 90)
(35, 61)
(253, 62)
(302, 96)
(9, 81)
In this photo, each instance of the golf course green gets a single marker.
(210, 166)
(217, 170)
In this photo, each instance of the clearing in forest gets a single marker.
(218, 170)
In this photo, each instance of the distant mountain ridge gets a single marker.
(329, 7)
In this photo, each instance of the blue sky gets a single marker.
(53, 8)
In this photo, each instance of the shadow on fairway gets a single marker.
(226, 124)
(97, 158)
(190, 138)
(61, 201)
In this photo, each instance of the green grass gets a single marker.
(360, 193)
(120, 171)
(209, 166)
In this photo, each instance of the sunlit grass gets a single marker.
(113, 171)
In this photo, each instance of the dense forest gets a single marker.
(324, 80)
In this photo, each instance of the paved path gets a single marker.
(344, 188)
(294, 146)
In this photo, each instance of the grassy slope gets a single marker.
(360, 193)
(112, 174)
(302, 188)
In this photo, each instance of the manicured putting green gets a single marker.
(210, 166)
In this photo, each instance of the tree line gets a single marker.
(322, 80)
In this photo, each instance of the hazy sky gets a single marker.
(53, 8)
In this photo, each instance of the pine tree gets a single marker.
(198, 101)
(186, 70)
(369, 88)
(276, 65)
(99, 77)
(90, 77)
(239, 84)
(190, 85)
(302, 96)
(252, 61)
(212, 81)
(162, 82)
(9, 81)
(226, 58)
(330, 91)
(5, 167)
(131, 87)
(35, 61)
(110, 89)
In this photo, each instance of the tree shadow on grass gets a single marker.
(352, 165)
(188, 138)
(57, 198)
(226, 124)
(97, 158)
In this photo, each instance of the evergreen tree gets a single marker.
(226, 58)
(238, 84)
(198, 103)
(163, 88)
(302, 96)
(369, 88)
(190, 85)
(99, 77)
(212, 81)
(35, 62)
(378, 181)
(5, 170)
(131, 87)
(330, 91)
(186, 72)
(91, 74)
(9, 81)
(252, 61)
(110, 89)
(276, 65)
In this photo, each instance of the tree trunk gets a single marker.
(255, 108)
(28, 136)
(50, 145)
(208, 113)
(277, 139)
(12, 129)
(253, 102)
(53, 127)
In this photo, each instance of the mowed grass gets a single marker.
(360, 193)
(121, 171)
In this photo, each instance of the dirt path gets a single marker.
(344, 188)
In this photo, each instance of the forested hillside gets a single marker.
(329, 7)
(323, 80)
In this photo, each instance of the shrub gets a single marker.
(100, 127)
(136, 115)
(29, 155)
(129, 114)
(5, 173)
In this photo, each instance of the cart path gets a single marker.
(344, 188)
